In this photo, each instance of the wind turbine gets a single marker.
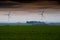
(42, 14)
(8, 16)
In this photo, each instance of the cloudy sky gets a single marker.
(31, 12)
(49, 15)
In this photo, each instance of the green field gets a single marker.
(29, 32)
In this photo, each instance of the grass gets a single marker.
(29, 32)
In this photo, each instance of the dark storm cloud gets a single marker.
(31, 1)
(28, 1)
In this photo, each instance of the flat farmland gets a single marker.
(29, 32)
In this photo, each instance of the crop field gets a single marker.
(29, 32)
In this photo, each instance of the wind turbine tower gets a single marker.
(9, 16)
(42, 14)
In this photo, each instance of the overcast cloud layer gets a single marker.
(49, 15)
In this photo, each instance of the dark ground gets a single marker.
(29, 32)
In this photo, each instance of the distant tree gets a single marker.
(32, 22)
(35, 22)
